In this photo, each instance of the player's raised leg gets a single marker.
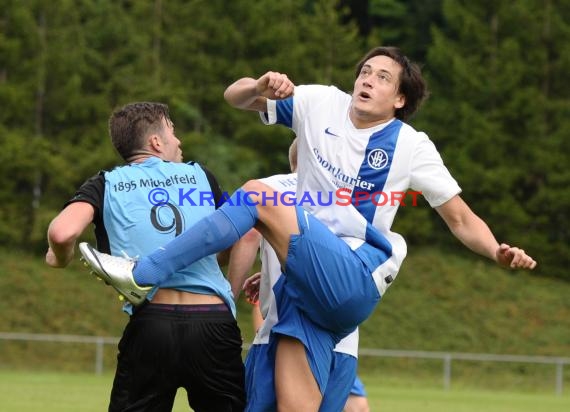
(255, 204)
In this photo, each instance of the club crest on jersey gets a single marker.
(377, 159)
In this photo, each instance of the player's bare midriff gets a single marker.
(178, 297)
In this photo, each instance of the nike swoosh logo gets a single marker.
(328, 131)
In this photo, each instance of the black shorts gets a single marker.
(165, 347)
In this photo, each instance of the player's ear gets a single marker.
(155, 142)
(400, 101)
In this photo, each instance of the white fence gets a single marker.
(98, 341)
(446, 357)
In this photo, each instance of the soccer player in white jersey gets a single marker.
(343, 382)
(339, 257)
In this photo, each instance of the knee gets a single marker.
(254, 185)
(259, 192)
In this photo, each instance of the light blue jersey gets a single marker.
(153, 202)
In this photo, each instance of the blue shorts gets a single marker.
(260, 383)
(326, 280)
(340, 384)
(319, 342)
(358, 388)
(324, 294)
(259, 379)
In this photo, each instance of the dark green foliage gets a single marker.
(499, 120)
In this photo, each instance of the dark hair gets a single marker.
(411, 83)
(130, 125)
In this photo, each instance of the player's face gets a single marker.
(375, 97)
(171, 148)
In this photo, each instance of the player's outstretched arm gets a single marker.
(64, 230)
(242, 258)
(474, 233)
(252, 94)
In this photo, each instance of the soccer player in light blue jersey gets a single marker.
(338, 259)
(183, 331)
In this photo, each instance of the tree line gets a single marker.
(499, 106)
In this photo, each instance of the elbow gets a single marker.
(455, 225)
(231, 98)
(60, 235)
(242, 94)
(231, 94)
(227, 95)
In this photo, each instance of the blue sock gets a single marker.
(209, 235)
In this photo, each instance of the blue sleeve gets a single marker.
(284, 110)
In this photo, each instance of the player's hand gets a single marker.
(251, 288)
(275, 86)
(514, 258)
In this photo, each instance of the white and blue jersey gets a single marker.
(353, 180)
(271, 270)
(142, 206)
(335, 375)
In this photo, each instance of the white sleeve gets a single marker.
(269, 117)
(430, 176)
(292, 111)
